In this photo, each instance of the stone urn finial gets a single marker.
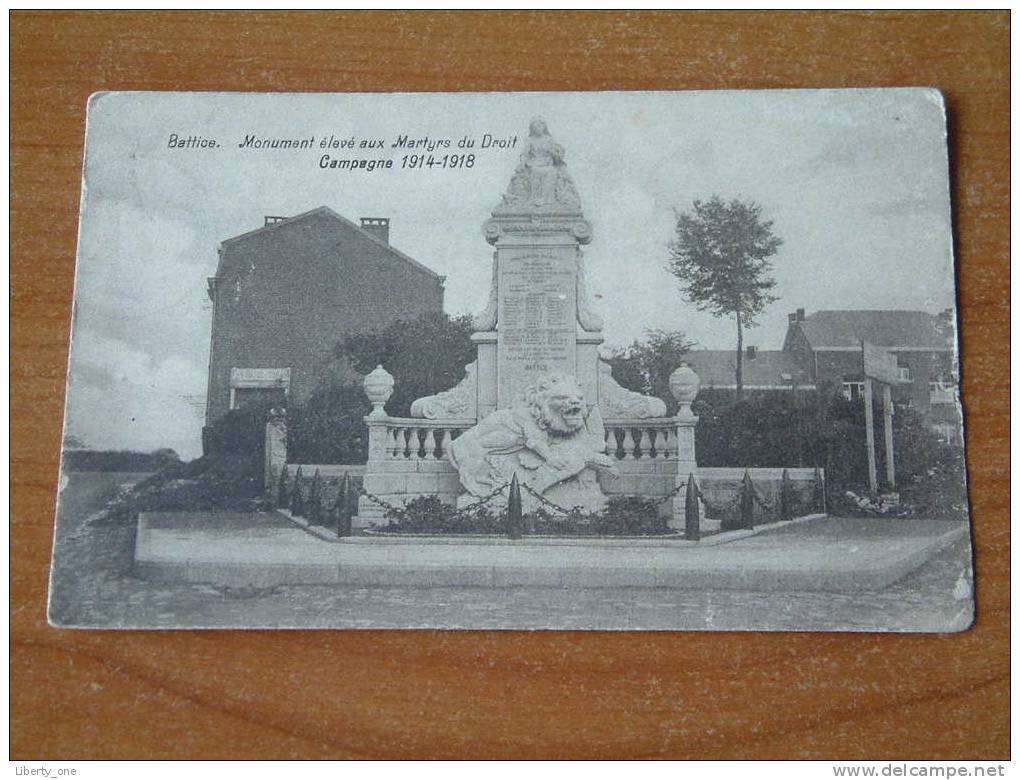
(378, 388)
(684, 385)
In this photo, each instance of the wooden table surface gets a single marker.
(436, 694)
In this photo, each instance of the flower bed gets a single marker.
(624, 516)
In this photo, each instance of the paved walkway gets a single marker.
(94, 586)
(819, 555)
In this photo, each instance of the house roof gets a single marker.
(883, 328)
(718, 368)
(326, 210)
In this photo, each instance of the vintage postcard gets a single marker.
(617, 360)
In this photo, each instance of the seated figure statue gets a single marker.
(544, 438)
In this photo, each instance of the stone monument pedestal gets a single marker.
(536, 400)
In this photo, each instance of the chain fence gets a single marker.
(730, 510)
(401, 513)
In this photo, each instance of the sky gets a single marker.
(855, 182)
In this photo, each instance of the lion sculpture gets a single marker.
(544, 437)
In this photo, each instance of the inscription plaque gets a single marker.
(537, 319)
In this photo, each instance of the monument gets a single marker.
(537, 390)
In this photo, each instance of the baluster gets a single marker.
(430, 444)
(391, 442)
(606, 448)
(663, 444)
(641, 445)
(406, 434)
(653, 443)
(628, 444)
(440, 443)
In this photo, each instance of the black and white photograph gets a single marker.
(533, 360)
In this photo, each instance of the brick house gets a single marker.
(828, 345)
(824, 348)
(286, 293)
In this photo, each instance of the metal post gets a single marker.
(887, 414)
(869, 432)
(514, 519)
(692, 514)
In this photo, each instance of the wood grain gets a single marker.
(417, 694)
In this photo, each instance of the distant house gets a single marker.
(286, 293)
(825, 348)
(762, 369)
(828, 345)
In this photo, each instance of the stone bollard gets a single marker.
(344, 501)
(786, 497)
(514, 512)
(692, 512)
(746, 502)
(314, 508)
(818, 491)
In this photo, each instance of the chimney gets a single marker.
(800, 315)
(752, 352)
(378, 227)
(792, 316)
(271, 220)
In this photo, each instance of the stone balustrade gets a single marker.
(648, 439)
(411, 438)
(407, 455)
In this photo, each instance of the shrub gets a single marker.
(329, 427)
(222, 482)
(119, 460)
(297, 498)
(625, 516)
(314, 503)
(425, 356)
(645, 366)
(282, 496)
(823, 428)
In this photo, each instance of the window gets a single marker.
(256, 396)
(249, 386)
(947, 432)
(904, 372)
(853, 391)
